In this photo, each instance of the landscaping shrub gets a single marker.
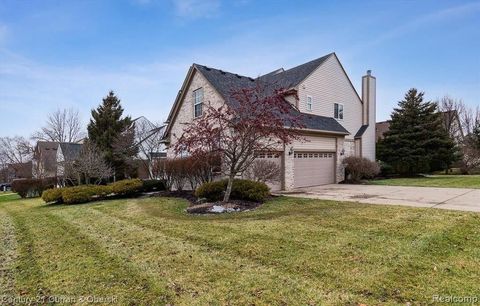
(127, 187)
(358, 168)
(28, 188)
(192, 170)
(241, 190)
(249, 190)
(87, 193)
(53, 195)
(264, 171)
(153, 185)
(212, 191)
(79, 194)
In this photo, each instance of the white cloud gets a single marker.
(193, 9)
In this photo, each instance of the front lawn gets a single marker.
(288, 252)
(452, 181)
(8, 196)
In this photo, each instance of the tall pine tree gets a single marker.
(416, 142)
(105, 130)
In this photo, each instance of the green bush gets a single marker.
(241, 190)
(88, 193)
(53, 195)
(127, 187)
(102, 191)
(212, 191)
(79, 194)
(153, 185)
(249, 190)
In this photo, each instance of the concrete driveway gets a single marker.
(444, 198)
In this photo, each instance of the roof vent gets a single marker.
(369, 72)
(222, 72)
(206, 68)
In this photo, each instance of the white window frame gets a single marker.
(196, 103)
(338, 111)
(309, 105)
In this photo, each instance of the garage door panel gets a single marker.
(314, 168)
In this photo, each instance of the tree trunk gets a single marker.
(226, 198)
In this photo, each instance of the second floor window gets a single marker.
(338, 111)
(309, 103)
(198, 102)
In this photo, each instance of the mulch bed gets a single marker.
(184, 194)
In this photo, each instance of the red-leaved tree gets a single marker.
(255, 119)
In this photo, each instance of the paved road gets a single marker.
(444, 198)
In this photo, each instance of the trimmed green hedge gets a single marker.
(88, 193)
(82, 194)
(53, 195)
(127, 187)
(241, 190)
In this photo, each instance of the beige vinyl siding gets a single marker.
(368, 137)
(314, 143)
(327, 85)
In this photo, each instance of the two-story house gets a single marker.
(338, 122)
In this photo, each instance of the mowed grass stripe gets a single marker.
(286, 252)
(373, 254)
(194, 270)
(8, 254)
(55, 259)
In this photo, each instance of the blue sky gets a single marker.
(71, 53)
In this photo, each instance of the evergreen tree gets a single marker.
(416, 141)
(475, 136)
(106, 128)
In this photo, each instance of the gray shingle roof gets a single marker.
(361, 130)
(225, 83)
(292, 77)
(70, 150)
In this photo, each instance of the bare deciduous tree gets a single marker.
(470, 119)
(63, 125)
(90, 165)
(452, 110)
(463, 124)
(264, 171)
(15, 150)
(148, 139)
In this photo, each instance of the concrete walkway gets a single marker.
(444, 198)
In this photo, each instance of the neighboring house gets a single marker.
(338, 122)
(45, 159)
(149, 141)
(451, 123)
(16, 171)
(67, 154)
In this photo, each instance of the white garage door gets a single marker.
(314, 168)
(275, 157)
